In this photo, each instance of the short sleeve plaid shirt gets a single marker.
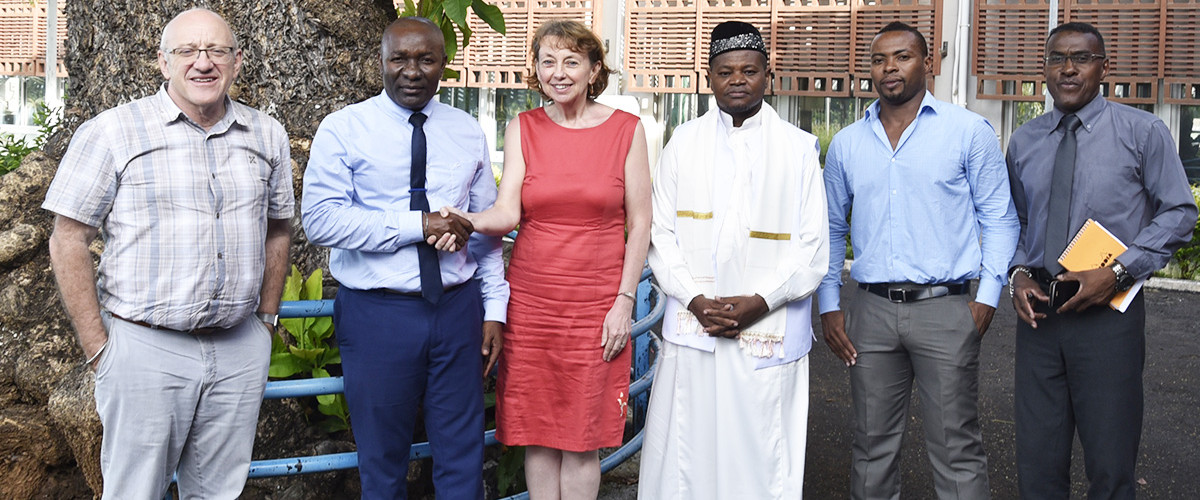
(182, 211)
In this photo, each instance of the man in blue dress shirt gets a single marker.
(925, 186)
(1079, 367)
(376, 168)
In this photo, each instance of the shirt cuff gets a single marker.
(988, 292)
(411, 226)
(691, 292)
(495, 310)
(1134, 259)
(829, 299)
(776, 298)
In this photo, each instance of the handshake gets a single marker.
(448, 229)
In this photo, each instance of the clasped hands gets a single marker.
(726, 317)
(448, 229)
(1096, 287)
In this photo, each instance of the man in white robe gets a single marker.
(738, 244)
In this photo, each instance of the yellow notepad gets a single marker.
(1092, 248)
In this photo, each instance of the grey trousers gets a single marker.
(171, 400)
(934, 342)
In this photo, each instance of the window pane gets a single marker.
(461, 98)
(1189, 141)
(10, 101)
(1026, 111)
(509, 104)
(34, 90)
(676, 109)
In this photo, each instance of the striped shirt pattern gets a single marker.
(182, 211)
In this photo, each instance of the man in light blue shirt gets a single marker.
(408, 318)
(927, 188)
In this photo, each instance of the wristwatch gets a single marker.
(1124, 279)
(268, 318)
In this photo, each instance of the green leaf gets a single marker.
(410, 9)
(449, 74)
(321, 328)
(332, 356)
(294, 326)
(490, 14)
(291, 286)
(451, 39)
(318, 372)
(335, 409)
(436, 16)
(284, 365)
(456, 10)
(306, 354)
(466, 34)
(277, 344)
(327, 400)
(312, 286)
(510, 470)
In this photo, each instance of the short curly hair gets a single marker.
(576, 37)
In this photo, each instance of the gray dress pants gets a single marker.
(935, 343)
(170, 400)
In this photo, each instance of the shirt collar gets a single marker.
(400, 112)
(747, 124)
(170, 112)
(1089, 114)
(928, 102)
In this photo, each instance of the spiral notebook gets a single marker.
(1094, 247)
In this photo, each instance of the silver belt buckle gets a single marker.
(897, 295)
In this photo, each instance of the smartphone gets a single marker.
(1061, 292)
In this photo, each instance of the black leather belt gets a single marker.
(389, 291)
(198, 331)
(911, 292)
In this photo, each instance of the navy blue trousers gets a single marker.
(399, 353)
(1080, 372)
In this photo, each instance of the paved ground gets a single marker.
(1169, 466)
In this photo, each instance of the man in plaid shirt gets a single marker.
(193, 193)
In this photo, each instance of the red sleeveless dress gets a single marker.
(554, 388)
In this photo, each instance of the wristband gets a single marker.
(1013, 276)
(628, 294)
(97, 355)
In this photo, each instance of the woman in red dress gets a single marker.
(577, 180)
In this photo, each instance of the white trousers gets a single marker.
(168, 399)
(719, 429)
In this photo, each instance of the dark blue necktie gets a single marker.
(1059, 216)
(431, 274)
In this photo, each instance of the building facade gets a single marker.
(23, 47)
(986, 58)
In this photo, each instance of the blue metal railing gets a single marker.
(648, 311)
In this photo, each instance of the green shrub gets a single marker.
(14, 150)
(307, 348)
(1185, 264)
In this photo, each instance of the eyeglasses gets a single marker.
(219, 55)
(1078, 58)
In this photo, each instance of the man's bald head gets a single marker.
(166, 41)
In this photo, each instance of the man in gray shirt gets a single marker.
(1079, 366)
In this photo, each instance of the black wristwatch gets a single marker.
(1124, 279)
